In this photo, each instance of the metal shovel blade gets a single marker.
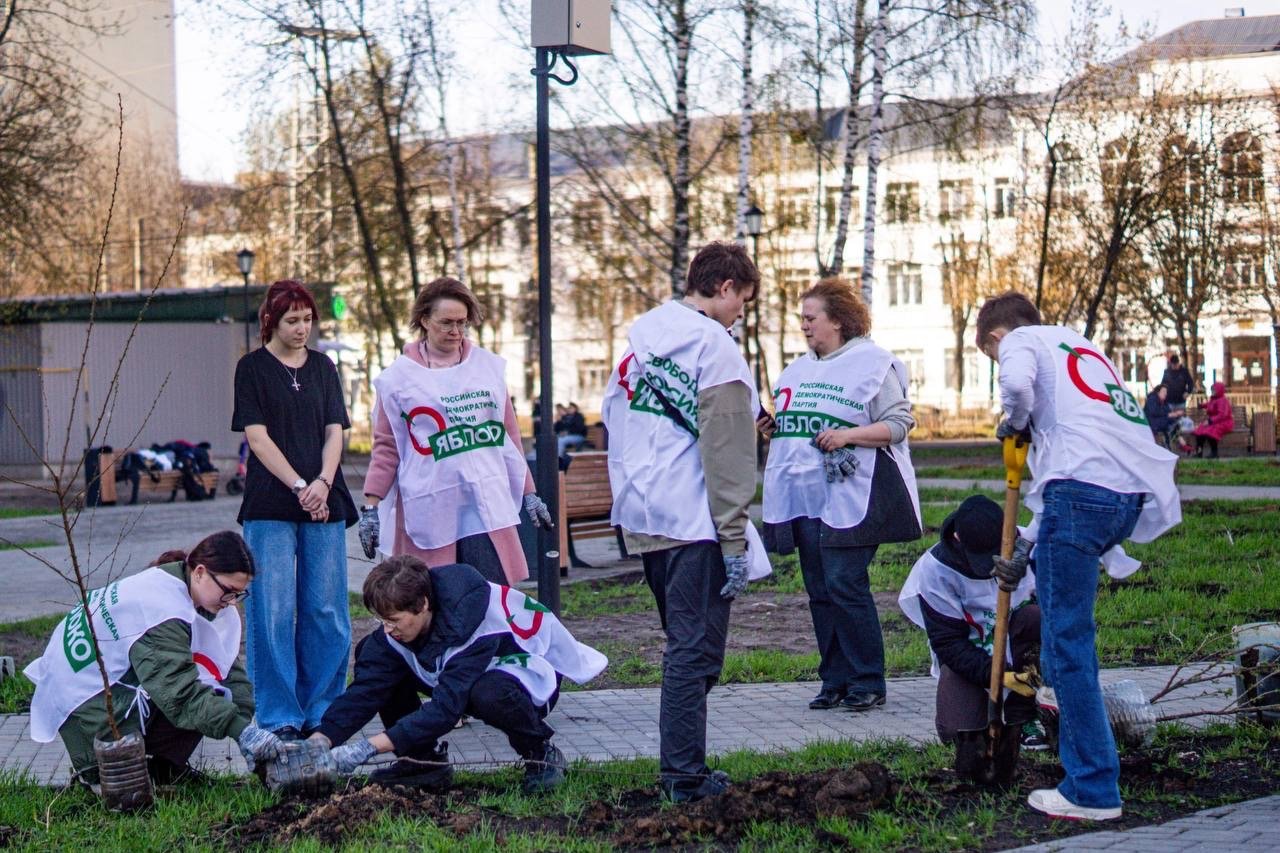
(988, 756)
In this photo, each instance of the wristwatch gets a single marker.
(298, 485)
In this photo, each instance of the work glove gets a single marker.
(1008, 430)
(349, 756)
(1023, 682)
(369, 528)
(1010, 572)
(735, 569)
(536, 507)
(259, 745)
(839, 464)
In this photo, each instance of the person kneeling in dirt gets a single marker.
(474, 647)
(951, 593)
(169, 639)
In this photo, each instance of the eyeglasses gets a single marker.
(450, 325)
(229, 596)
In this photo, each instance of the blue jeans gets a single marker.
(299, 626)
(845, 621)
(1079, 522)
(565, 443)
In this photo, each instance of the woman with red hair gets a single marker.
(296, 508)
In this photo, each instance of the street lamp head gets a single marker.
(244, 260)
(754, 221)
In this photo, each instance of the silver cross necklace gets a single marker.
(293, 372)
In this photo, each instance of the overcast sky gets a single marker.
(213, 113)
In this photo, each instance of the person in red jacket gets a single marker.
(1218, 421)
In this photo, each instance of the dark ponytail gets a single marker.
(222, 553)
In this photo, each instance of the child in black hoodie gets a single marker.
(952, 595)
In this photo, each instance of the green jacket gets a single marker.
(162, 665)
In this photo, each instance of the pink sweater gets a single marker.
(384, 462)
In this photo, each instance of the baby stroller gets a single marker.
(235, 486)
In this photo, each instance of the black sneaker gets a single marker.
(428, 769)
(545, 773)
(861, 701)
(1034, 738)
(713, 784)
(165, 772)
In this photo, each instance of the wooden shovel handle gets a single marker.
(1015, 456)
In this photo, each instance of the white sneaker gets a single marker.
(1052, 803)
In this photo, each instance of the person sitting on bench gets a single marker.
(474, 647)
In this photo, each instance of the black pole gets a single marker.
(246, 313)
(548, 462)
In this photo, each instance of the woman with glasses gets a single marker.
(447, 477)
(169, 638)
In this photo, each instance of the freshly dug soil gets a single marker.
(1163, 783)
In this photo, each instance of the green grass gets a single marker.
(41, 818)
(985, 464)
(15, 693)
(25, 511)
(34, 543)
(601, 598)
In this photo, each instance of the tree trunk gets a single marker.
(959, 323)
(680, 189)
(745, 121)
(400, 178)
(373, 266)
(850, 140)
(1094, 309)
(874, 132)
(1044, 228)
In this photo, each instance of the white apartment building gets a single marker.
(933, 195)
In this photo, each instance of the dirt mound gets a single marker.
(330, 819)
(778, 796)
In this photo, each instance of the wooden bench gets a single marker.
(1237, 442)
(149, 482)
(585, 503)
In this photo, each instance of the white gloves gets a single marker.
(735, 569)
(538, 512)
(349, 756)
(259, 745)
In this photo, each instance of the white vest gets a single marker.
(814, 395)
(460, 472)
(1094, 431)
(548, 646)
(66, 675)
(958, 597)
(655, 469)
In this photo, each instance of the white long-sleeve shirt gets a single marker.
(1085, 426)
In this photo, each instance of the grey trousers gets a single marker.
(686, 583)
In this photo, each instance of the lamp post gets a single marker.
(556, 37)
(244, 260)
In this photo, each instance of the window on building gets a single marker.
(1004, 199)
(904, 283)
(1182, 168)
(1244, 267)
(794, 209)
(971, 375)
(588, 222)
(902, 202)
(593, 374)
(955, 200)
(831, 208)
(1242, 168)
(1069, 180)
(913, 361)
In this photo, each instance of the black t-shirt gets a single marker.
(295, 421)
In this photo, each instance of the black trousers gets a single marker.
(166, 741)
(497, 699)
(962, 705)
(686, 583)
(1202, 440)
(478, 552)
